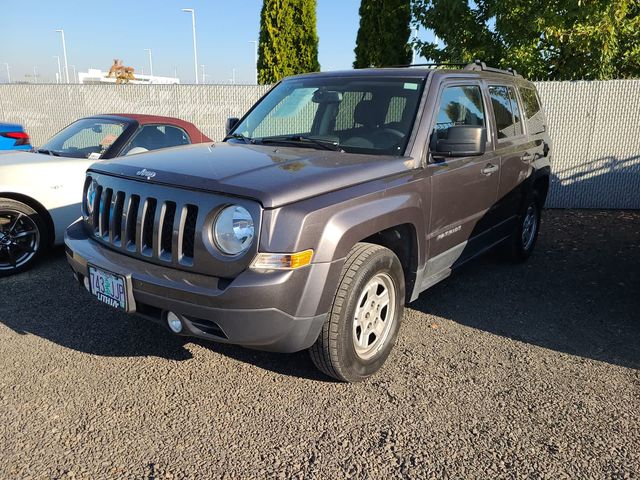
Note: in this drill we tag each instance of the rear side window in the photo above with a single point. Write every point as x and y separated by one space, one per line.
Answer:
506 111
532 110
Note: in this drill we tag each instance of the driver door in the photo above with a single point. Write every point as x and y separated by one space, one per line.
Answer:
463 189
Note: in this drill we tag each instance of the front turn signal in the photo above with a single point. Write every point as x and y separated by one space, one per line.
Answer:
282 261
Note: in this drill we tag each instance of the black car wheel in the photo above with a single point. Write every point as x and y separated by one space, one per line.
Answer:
362 326
523 240
22 236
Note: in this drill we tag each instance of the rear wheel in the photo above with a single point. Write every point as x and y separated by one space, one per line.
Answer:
22 236
363 323
525 235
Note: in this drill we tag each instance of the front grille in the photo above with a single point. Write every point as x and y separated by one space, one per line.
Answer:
146 226
163 224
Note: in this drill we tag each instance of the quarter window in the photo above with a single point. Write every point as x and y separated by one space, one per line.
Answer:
506 111
535 120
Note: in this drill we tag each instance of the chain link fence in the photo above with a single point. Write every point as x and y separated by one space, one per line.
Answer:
593 125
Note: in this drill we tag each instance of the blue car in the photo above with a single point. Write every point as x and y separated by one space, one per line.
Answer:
13 137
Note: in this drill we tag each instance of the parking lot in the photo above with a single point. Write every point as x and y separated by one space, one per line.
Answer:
500 371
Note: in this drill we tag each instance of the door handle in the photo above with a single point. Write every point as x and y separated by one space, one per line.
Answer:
489 169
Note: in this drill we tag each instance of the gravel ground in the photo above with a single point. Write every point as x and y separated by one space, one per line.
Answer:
501 371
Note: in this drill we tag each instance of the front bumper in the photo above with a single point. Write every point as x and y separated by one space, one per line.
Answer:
279 311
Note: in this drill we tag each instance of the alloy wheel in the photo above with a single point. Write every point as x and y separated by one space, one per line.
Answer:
19 239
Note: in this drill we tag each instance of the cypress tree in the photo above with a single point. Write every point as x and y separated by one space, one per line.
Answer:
383 33
288 39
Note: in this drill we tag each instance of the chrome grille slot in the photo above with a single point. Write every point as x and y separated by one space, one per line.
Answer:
147 226
188 230
167 221
105 211
95 218
115 222
130 221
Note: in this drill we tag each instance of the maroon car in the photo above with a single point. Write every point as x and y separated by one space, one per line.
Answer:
116 134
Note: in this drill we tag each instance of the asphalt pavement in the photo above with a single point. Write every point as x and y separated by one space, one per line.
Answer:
501 371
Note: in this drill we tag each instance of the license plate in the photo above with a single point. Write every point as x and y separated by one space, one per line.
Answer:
108 287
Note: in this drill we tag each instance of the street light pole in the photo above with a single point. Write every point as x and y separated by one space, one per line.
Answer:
150 61
8 73
195 47
57 57
64 51
255 58
75 76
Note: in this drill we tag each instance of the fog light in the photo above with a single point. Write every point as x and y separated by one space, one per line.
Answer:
174 322
86 284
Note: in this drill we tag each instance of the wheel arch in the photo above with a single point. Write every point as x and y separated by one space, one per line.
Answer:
402 240
39 208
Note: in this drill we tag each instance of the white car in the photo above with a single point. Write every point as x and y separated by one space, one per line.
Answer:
40 191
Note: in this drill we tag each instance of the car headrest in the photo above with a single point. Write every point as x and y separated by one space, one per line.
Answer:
367 114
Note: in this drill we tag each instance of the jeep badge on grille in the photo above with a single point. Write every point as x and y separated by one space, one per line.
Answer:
146 173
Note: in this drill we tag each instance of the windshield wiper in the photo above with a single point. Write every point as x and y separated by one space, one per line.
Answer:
326 144
239 136
48 152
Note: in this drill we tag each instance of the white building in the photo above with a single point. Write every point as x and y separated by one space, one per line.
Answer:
95 75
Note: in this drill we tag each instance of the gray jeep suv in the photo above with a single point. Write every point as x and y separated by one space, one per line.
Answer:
335 200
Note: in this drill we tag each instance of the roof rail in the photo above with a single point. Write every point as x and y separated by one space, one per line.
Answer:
430 65
478 65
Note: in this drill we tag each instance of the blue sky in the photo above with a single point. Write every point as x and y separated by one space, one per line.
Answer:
97 32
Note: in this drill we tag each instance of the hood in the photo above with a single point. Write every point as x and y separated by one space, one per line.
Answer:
22 157
273 175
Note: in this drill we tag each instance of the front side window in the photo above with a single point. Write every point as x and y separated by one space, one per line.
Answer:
357 114
506 111
460 105
84 138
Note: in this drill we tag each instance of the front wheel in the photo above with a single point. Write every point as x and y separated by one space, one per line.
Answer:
22 236
363 323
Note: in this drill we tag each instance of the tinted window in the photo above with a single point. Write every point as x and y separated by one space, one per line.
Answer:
535 118
361 114
517 118
153 137
506 111
460 106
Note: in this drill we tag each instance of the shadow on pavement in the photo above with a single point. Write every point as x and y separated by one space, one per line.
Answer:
45 301
579 293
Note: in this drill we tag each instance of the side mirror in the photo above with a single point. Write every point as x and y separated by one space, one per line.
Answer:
461 141
230 124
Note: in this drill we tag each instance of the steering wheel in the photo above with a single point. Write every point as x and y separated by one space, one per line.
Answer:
392 131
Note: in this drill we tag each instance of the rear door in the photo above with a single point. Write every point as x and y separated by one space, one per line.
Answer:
463 189
515 151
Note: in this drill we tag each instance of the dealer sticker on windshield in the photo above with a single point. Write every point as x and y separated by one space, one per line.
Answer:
108 287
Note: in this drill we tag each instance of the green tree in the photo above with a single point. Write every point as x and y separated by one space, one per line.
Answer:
560 39
383 33
288 39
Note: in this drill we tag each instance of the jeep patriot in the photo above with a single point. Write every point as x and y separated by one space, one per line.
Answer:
335 200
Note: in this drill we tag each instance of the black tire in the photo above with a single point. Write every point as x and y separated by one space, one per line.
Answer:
334 352
23 237
520 246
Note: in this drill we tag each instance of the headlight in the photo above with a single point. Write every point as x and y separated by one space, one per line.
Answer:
89 198
233 230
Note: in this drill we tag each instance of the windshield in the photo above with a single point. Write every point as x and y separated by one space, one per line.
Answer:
86 138
357 114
